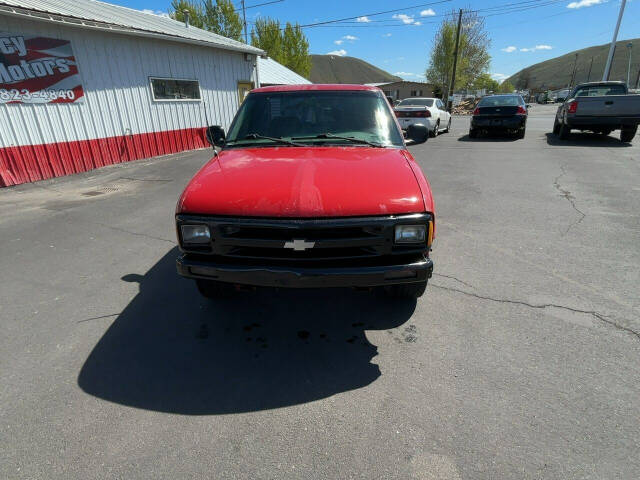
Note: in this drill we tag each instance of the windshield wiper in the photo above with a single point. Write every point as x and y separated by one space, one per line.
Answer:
338 137
257 136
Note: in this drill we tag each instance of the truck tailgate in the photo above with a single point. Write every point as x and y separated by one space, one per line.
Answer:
609 106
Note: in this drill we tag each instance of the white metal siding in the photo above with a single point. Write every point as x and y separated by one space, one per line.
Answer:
115 71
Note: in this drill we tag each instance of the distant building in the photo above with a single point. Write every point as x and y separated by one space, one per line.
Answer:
404 89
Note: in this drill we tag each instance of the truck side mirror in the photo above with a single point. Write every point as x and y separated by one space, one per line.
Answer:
215 136
418 133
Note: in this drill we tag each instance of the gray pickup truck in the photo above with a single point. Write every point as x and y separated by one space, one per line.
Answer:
600 107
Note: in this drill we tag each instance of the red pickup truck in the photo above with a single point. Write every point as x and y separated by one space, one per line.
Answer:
313 187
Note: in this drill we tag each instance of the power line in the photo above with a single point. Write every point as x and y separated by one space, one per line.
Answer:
503 9
262 4
507 7
374 14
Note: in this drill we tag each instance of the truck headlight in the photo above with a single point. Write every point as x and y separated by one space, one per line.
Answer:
410 233
195 234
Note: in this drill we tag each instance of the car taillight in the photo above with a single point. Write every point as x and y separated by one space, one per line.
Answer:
476 111
397 113
422 113
521 110
573 107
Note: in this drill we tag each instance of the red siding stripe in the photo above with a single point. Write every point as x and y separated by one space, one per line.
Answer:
30 163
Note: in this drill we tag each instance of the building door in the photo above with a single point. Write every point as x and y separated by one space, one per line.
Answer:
243 90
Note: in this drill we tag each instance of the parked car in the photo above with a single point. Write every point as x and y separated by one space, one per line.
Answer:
561 96
313 187
600 107
500 113
430 112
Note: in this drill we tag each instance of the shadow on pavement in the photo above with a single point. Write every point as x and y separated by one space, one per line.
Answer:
489 137
171 350
586 139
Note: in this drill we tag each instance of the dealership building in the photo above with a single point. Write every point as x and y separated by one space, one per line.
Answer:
84 84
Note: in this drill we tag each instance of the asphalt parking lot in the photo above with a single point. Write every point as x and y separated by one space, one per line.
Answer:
521 361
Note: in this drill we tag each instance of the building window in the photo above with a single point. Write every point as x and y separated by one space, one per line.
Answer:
414 93
172 89
419 93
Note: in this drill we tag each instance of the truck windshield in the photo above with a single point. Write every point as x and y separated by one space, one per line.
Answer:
315 117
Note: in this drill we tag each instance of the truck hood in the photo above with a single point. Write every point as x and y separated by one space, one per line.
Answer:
304 182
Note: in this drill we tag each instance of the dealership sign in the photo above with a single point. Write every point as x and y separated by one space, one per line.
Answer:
35 69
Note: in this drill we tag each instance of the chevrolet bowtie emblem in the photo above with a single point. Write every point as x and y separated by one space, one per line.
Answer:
299 244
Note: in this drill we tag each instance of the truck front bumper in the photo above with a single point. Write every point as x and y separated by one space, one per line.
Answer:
302 277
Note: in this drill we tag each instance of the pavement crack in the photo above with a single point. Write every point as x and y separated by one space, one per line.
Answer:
98 318
453 278
541 306
570 198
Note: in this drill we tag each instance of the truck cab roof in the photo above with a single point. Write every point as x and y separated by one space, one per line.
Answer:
316 87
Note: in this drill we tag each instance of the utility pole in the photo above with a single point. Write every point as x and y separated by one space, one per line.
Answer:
573 75
607 68
629 46
590 67
244 20
455 63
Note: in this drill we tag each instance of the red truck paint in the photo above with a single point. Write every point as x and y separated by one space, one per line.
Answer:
308 182
307 216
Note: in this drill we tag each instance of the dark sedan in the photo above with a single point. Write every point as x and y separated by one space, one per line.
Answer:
500 113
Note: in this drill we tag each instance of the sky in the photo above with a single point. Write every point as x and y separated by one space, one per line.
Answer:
522 32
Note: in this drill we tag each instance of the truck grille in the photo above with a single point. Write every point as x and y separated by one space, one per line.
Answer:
304 240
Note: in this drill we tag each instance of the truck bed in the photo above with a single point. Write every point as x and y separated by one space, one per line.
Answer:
624 107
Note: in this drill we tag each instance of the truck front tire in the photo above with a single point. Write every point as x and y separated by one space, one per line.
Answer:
627 134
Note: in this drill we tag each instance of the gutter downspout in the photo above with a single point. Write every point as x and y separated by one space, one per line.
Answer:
257 65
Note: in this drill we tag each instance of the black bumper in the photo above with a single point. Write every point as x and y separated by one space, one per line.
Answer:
303 277
509 123
587 123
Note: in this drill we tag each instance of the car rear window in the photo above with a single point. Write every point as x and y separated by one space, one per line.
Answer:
421 102
506 101
600 90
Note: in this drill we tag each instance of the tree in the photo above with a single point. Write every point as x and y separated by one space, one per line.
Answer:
507 87
196 13
222 18
289 47
484 81
218 17
295 48
473 52
266 35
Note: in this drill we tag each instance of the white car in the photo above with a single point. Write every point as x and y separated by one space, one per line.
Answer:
430 112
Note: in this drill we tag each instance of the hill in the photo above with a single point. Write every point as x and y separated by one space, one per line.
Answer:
336 69
556 72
